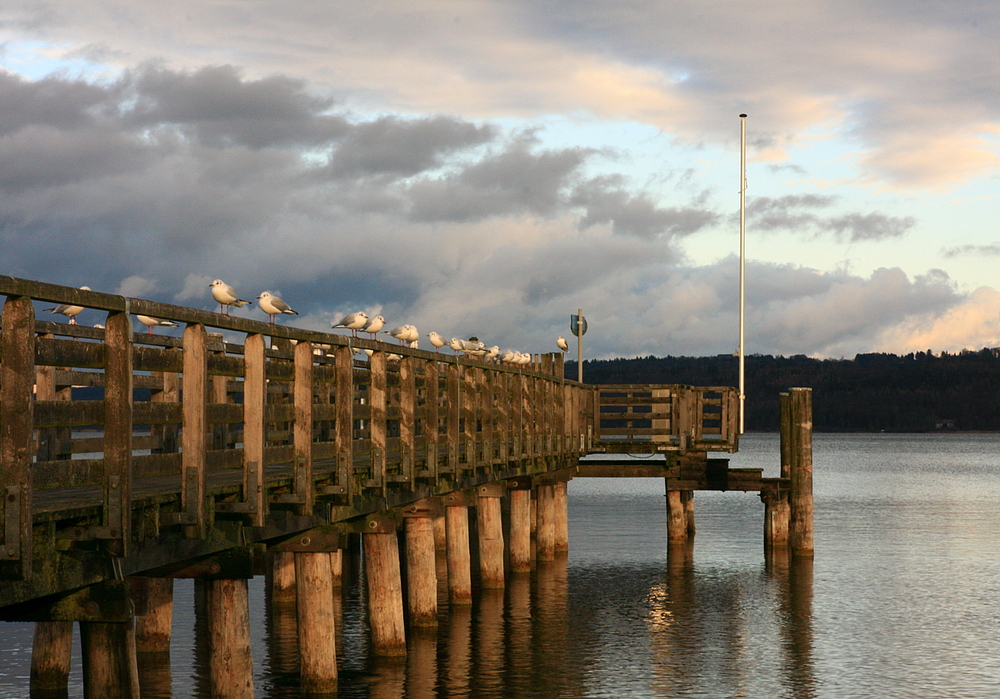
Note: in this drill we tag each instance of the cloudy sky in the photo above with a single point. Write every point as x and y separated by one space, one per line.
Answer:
486 168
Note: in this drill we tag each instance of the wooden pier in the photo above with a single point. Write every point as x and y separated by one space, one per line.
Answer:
129 459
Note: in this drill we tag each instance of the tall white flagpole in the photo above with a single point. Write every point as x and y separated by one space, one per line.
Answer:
743 207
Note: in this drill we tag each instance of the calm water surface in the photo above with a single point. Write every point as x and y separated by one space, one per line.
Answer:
902 598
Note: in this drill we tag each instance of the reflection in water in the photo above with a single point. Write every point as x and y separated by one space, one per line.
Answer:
799 672
458 663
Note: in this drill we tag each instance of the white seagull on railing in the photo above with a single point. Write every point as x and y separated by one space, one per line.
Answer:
272 306
69 310
150 322
353 322
226 296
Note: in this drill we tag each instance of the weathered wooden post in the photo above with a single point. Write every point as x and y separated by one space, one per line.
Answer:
385 590
490 530
545 534
109 667
801 498
560 502
230 661
677 528
153 625
459 556
50 656
519 493
317 628
283 585
687 497
421 564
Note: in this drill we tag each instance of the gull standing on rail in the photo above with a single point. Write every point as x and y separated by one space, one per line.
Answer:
436 340
563 345
150 322
226 296
404 333
373 326
272 306
353 322
69 310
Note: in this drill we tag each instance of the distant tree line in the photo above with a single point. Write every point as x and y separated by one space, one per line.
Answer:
917 392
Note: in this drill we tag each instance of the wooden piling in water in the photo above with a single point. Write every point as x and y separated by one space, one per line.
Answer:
283 576
153 626
677 528
801 496
385 593
560 503
490 530
421 571
520 527
230 662
50 656
109 666
459 556
316 627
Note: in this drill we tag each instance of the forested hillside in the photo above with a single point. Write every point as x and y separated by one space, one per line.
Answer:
912 393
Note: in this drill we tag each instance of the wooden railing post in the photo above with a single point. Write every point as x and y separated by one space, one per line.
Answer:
469 401
303 430
407 416
17 364
801 473
344 420
118 430
453 400
431 417
193 433
254 398
377 422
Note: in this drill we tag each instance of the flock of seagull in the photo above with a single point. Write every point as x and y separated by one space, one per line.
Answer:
273 306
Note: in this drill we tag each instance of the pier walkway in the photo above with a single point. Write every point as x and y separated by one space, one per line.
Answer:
127 456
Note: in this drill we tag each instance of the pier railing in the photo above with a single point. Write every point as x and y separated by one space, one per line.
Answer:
667 418
150 449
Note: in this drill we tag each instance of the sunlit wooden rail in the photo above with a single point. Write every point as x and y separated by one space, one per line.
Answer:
125 453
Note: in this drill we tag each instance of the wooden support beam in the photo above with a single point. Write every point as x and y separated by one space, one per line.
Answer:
302 466
377 418
385 594
109 665
454 403
677 531
490 531
193 442
230 662
17 373
560 503
344 421
50 657
154 624
421 571
316 627
430 425
254 430
118 432
520 528
801 498
459 555
407 417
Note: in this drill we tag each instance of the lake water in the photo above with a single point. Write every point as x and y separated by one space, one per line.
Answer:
902 598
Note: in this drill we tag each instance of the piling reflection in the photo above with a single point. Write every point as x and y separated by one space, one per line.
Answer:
800 672
458 662
422 664
490 655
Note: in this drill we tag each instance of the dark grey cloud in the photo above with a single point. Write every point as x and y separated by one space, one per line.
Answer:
606 200
215 106
798 213
392 145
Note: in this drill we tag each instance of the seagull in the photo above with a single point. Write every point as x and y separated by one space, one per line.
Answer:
226 296
403 333
457 345
492 352
436 340
150 322
413 336
353 322
69 310
508 356
272 306
373 326
563 345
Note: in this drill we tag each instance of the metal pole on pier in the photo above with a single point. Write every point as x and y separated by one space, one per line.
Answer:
743 207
